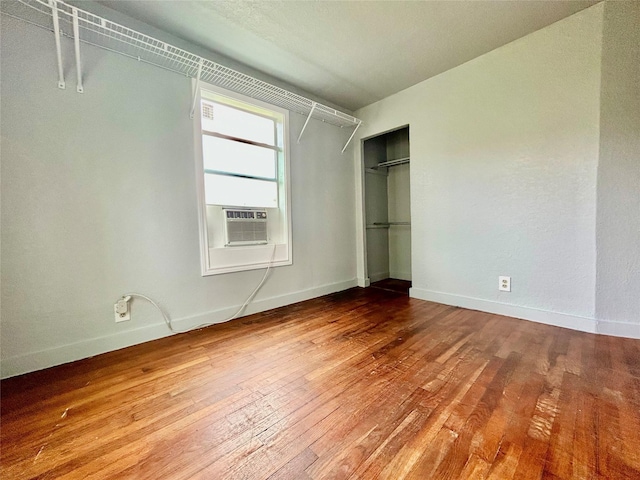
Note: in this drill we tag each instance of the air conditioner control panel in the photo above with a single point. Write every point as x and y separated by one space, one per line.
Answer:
246 214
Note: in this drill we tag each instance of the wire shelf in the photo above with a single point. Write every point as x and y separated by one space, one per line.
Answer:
103 33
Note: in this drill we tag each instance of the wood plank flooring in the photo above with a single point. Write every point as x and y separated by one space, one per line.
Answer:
362 384
393 284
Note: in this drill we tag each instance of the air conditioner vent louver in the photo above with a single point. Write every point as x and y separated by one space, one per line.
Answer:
245 227
207 111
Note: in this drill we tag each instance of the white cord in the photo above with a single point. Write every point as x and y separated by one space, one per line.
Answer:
164 315
246 303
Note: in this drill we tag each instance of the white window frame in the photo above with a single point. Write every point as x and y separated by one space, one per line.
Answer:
215 259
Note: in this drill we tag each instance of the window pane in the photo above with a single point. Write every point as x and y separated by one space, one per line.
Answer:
240 192
240 158
237 123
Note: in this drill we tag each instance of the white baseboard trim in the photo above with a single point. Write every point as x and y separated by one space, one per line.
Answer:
363 282
574 322
33 361
619 329
376 277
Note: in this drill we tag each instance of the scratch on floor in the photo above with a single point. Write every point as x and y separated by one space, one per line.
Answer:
64 414
38 454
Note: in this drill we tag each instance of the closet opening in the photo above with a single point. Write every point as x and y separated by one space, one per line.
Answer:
387 208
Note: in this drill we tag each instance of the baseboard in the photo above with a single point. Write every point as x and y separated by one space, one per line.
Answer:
364 282
33 361
376 277
619 329
400 275
574 322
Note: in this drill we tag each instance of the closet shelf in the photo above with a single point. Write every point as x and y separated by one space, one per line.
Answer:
389 224
82 26
393 163
373 171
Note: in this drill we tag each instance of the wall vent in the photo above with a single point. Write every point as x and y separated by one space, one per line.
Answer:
207 110
245 227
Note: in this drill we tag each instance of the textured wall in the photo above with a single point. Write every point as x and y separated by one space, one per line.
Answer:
99 198
618 221
504 153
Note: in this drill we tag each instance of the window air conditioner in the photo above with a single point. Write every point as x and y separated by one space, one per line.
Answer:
245 227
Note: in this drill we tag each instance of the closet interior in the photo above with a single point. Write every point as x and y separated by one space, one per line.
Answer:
387 205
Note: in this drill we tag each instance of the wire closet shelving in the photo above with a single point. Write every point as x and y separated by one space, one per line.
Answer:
82 26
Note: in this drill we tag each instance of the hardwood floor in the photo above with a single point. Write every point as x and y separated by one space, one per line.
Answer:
393 284
361 384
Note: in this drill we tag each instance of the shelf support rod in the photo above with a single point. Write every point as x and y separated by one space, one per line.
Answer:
313 107
352 135
76 44
56 32
195 91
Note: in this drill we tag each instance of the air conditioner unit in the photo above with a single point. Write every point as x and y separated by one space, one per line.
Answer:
244 227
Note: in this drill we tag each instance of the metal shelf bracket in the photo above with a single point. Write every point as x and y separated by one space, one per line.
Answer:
195 90
76 44
56 32
313 107
352 135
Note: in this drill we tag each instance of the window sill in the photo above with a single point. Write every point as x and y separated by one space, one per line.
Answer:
237 259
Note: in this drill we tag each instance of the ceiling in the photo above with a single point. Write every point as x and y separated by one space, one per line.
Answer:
351 53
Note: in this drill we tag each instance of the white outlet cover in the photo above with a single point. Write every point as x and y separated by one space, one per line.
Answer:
121 317
504 284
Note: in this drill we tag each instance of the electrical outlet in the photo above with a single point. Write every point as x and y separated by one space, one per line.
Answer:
121 310
504 284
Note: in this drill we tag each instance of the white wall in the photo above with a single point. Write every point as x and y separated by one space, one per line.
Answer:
99 198
376 210
504 153
399 190
376 201
618 220
398 183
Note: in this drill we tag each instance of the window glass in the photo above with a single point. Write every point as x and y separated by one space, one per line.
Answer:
229 156
238 123
240 192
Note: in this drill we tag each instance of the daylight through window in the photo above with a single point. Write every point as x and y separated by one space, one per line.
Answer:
241 149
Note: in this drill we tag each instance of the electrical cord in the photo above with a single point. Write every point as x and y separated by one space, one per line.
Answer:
246 303
167 320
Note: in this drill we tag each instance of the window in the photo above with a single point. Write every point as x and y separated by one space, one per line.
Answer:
241 160
240 151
